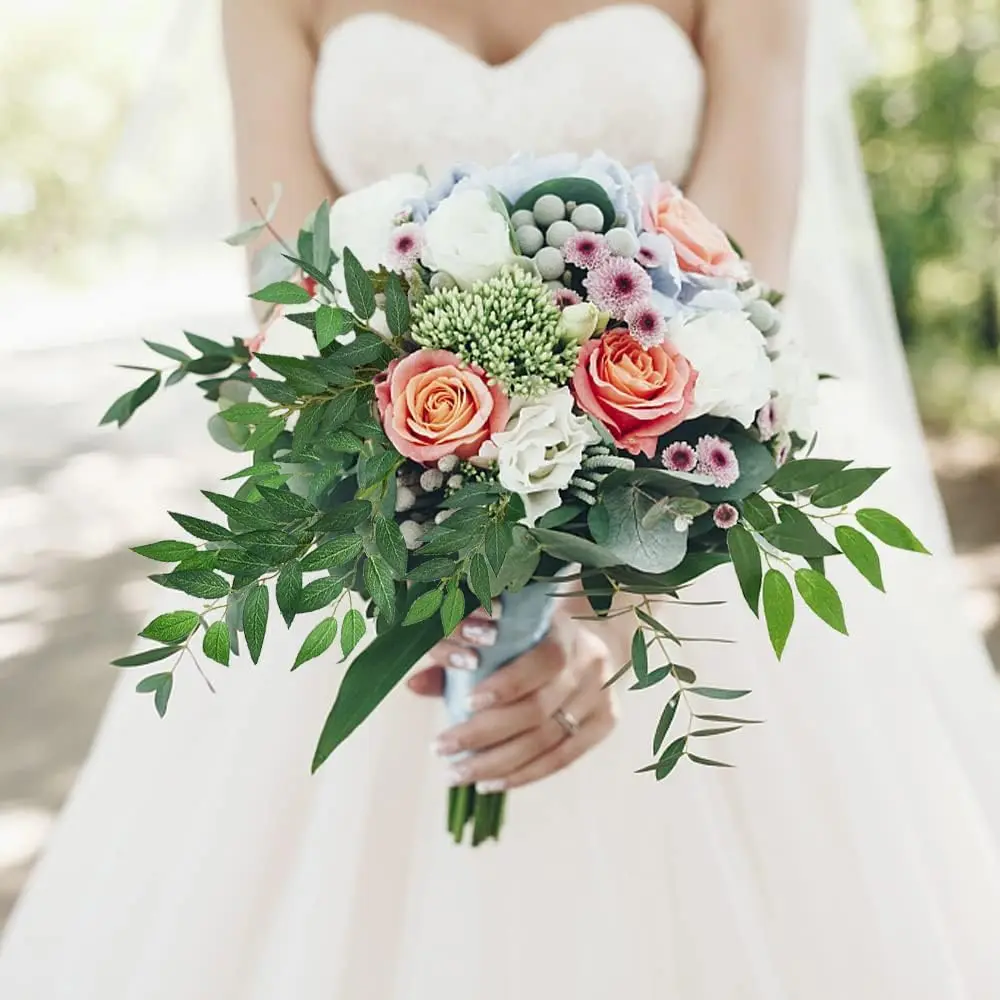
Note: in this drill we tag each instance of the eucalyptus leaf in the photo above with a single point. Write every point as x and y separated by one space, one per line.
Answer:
321 255
352 631
795 533
745 554
198 583
146 656
656 549
165 551
319 640
889 530
779 609
216 643
286 293
757 512
452 609
720 694
640 659
822 598
843 487
174 353
206 530
480 582
391 545
319 594
425 606
331 323
575 549
255 615
288 591
379 582
397 307
861 554
799 475
335 552
360 290
666 720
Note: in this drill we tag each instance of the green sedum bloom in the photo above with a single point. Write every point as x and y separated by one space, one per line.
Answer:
508 326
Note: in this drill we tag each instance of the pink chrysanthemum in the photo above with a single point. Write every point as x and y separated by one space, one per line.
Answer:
648 257
726 516
564 297
679 457
646 324
618 285
405 245
767 420
586 250
717 459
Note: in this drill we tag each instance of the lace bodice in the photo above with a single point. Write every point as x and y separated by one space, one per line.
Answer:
393 95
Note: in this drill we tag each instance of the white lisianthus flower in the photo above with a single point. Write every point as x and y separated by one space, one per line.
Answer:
796 387
541 450
363 220
734 372
467 238
579 322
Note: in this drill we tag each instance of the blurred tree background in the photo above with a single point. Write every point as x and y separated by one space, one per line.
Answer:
84 175
930 130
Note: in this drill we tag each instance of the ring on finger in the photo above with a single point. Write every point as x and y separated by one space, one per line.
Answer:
567 721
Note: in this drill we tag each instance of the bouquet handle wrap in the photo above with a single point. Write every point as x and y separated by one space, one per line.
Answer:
524 621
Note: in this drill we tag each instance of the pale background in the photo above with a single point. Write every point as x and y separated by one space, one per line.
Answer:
114 188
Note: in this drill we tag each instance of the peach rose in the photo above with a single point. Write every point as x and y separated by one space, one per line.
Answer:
702 247
637 393
432 405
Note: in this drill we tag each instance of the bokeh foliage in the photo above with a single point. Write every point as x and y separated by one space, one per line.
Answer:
71 79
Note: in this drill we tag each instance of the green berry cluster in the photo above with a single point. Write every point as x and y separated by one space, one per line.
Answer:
506 325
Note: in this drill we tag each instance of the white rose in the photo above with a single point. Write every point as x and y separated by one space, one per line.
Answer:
467 238
541 450
734 372
796 387
363 220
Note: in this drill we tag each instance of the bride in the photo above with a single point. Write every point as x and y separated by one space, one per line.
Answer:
856 850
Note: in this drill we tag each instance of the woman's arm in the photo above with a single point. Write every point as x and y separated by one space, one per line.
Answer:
271 60
747 171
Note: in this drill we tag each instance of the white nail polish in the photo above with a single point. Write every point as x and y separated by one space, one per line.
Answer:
479 633
491 787
463 659
482 699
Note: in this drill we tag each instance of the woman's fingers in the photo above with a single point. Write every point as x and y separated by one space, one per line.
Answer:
492 726
493 767
429 683
592 732
526 674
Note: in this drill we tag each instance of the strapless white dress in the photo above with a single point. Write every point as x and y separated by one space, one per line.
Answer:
853 855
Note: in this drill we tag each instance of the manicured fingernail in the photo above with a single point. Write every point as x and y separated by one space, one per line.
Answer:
463 659
457 775
480 633
480 700
444 746
490 787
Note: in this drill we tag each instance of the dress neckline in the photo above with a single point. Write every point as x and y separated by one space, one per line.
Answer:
607 10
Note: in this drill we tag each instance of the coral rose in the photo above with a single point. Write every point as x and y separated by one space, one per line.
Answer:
637 393
432 405
702 247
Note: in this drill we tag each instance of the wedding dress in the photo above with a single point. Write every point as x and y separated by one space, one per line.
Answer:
854 854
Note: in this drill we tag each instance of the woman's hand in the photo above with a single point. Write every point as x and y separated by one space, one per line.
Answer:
533 717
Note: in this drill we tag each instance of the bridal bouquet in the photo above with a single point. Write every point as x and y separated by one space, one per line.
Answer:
555 375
